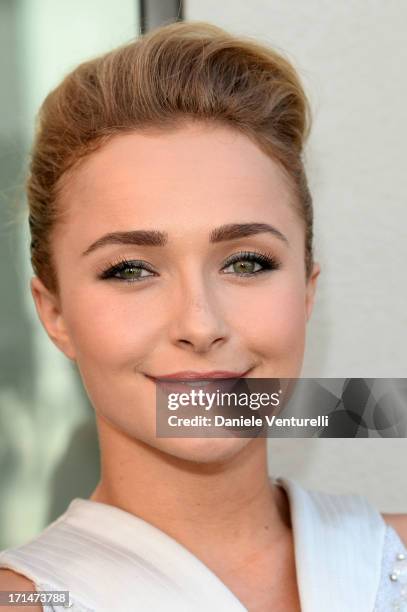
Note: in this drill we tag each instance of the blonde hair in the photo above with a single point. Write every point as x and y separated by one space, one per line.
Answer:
178 72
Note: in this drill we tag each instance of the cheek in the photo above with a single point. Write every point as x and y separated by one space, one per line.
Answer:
111 337
111 332
274 320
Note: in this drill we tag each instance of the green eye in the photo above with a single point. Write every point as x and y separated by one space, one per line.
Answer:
128 271
133 272
245 267
251 263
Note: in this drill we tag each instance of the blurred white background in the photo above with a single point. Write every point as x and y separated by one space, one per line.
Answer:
351 57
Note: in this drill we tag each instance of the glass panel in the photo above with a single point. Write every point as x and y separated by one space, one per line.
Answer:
48 443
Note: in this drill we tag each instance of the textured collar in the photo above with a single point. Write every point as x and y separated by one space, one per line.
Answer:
338 541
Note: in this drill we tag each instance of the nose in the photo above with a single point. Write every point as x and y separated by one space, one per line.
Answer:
197 323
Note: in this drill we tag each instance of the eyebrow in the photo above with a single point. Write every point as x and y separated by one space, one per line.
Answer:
230 231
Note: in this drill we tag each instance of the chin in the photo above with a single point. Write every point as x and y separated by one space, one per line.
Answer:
202 450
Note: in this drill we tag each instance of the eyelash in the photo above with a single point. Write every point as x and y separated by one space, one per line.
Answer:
266 259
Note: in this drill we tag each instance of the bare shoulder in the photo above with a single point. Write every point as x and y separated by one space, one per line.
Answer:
12 581
399 523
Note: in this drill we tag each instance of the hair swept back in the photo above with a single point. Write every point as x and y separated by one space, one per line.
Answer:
183 71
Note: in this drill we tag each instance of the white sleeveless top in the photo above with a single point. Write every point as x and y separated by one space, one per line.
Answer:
347 560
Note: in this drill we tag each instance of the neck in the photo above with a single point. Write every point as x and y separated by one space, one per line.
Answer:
218 511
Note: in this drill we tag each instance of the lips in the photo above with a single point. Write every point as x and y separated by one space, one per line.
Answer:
185 381
189 375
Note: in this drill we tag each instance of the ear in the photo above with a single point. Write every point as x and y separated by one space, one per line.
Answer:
311 289
50 315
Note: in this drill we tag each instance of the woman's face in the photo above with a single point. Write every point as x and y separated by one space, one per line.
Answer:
212 291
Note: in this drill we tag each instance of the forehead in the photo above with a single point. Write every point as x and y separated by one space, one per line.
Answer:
191 174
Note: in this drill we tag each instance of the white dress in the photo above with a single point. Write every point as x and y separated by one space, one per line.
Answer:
108 559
